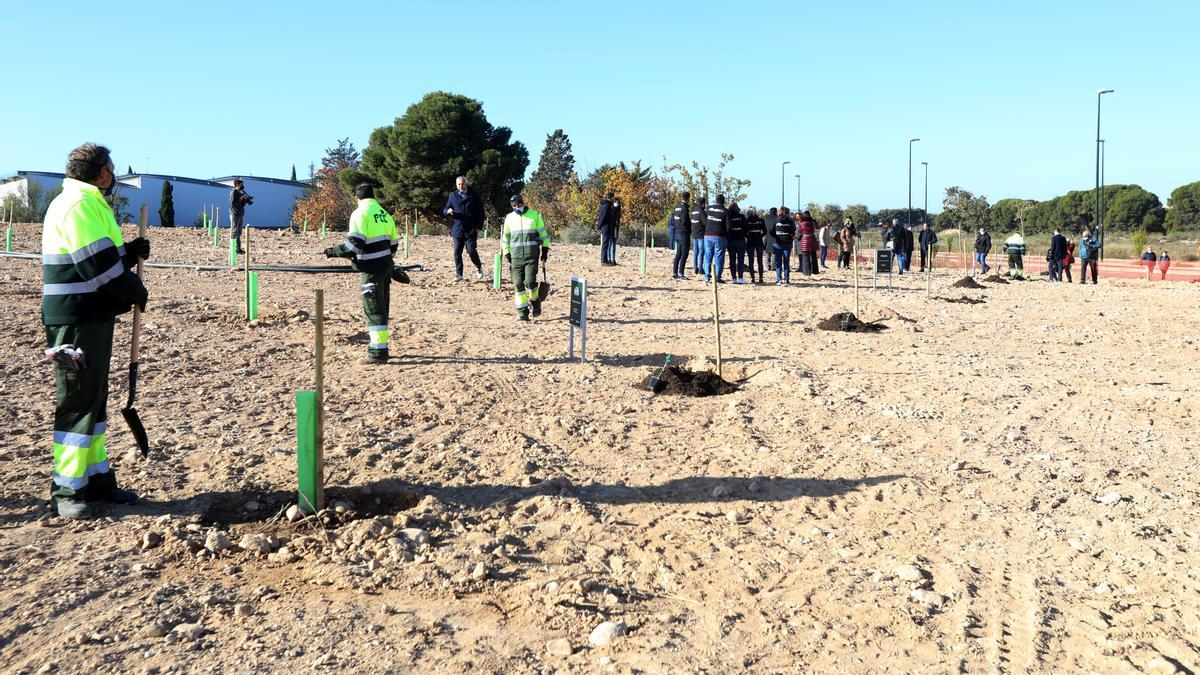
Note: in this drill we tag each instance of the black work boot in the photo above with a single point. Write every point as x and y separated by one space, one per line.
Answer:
537 309
73 509
523 314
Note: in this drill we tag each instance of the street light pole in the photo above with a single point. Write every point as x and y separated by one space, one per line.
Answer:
1102 152
797 191
926 165
908 214
1099 222
782 188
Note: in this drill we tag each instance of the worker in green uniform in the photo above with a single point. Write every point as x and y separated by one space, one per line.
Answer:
1015 247
87 281
370 245
525 240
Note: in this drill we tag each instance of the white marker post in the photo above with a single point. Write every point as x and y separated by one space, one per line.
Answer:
578 318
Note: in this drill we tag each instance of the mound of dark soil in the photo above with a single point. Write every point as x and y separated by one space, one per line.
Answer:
683 382
967 282
964 300
846 321
996 279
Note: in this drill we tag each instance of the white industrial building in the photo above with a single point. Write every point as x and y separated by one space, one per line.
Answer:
274 198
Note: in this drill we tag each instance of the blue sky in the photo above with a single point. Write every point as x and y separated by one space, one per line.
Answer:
1002 94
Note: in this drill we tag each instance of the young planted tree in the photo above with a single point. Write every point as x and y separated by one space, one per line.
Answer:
166 205
963 210
703 182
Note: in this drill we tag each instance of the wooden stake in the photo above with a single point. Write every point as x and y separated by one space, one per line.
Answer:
716 314
929 271
854 257
319 377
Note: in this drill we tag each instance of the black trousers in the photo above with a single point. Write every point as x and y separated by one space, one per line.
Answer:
1084 264
236 220
755 252
924 253
469 244
682 245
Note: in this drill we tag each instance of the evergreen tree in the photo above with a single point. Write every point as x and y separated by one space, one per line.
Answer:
554 168
341 156
414 160
128 169
293 172
166 207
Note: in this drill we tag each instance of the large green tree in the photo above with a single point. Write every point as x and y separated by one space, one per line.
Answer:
1006 215
554 169
963 209
1132 209
414 161
1183 207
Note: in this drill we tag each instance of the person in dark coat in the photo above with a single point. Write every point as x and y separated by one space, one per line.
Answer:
927 239
782 235
736 232
1058 251
465 208
983 244
697 220
756 232
606 222
909 241
681 231
238 201
716 240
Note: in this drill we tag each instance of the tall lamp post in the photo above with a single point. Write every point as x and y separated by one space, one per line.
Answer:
782 188
797 191
926 165
908 214
1102 152
1099 222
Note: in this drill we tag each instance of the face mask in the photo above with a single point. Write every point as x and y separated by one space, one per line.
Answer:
112 187
518 209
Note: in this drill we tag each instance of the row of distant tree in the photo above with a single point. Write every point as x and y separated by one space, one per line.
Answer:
413 163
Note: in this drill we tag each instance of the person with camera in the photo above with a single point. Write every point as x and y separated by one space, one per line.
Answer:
238 201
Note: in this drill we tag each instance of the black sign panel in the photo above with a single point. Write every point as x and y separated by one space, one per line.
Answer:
883 261
578 288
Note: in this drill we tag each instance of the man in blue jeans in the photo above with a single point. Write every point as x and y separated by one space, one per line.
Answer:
606 223
983 244
716 228
697 219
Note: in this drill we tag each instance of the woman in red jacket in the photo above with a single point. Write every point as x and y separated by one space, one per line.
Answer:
806 230
1069 259
1164 264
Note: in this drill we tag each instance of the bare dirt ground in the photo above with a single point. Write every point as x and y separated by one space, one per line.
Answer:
1005 486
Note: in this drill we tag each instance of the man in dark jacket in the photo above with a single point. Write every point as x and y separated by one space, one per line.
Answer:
238 200
736 233
928 239
697 220
909 242
465 208
606 222
681 231
716 233
756 232
1058 251
983 244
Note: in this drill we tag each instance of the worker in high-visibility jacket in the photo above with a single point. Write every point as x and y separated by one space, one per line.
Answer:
370 245
87 281
525 241
1015 247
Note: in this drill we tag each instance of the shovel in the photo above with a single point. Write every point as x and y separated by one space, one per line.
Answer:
657 384
131 416
543 286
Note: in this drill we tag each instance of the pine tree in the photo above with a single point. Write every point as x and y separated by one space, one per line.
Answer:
554 167
293 172
166 207
129 170
341 156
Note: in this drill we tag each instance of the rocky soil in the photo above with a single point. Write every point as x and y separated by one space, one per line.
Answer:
996 486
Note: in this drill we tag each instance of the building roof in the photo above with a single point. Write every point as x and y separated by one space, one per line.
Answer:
173 179
261 179
18 175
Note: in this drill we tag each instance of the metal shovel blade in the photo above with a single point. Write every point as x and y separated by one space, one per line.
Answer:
131 416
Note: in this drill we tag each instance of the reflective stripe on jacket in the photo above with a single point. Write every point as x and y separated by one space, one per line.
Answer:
523 233
83 269
371 240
